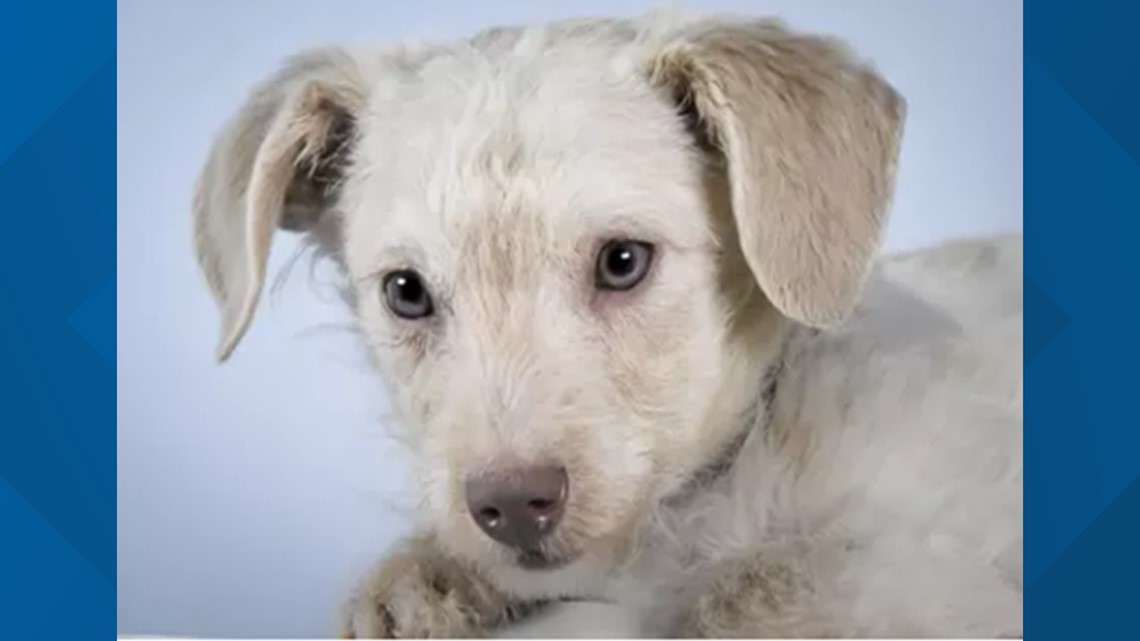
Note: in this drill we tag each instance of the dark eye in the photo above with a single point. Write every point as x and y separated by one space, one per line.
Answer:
622 264
406 295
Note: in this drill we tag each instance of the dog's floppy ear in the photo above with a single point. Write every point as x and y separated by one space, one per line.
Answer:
275 164
810 137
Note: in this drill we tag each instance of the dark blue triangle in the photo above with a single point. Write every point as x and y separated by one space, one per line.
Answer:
95 320
1048 320
1090 591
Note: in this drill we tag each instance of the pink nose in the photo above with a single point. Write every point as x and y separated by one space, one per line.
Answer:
518 507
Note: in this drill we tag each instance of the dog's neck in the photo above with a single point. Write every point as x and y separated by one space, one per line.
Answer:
755 421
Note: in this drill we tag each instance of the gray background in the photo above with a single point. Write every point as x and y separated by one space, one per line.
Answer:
251 496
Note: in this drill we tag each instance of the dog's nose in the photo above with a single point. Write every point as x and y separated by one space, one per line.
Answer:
518 507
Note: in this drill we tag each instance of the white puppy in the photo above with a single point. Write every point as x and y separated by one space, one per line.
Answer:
620 277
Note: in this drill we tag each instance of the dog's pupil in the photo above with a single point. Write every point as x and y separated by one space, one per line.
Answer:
621 260
410 288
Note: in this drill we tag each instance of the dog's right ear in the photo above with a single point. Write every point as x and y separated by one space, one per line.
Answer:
277 163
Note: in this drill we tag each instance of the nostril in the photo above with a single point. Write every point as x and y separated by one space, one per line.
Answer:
490 516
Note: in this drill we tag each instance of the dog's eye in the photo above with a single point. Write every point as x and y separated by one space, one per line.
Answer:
406 295
622 264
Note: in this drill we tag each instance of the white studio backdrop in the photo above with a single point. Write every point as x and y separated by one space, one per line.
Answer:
253 495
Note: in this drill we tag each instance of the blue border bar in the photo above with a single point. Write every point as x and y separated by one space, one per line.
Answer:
1082 327
57 320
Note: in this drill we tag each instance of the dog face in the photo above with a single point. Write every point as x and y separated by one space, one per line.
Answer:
579 315
571 250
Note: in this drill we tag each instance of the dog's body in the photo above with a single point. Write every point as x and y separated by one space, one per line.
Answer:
624 259
882 495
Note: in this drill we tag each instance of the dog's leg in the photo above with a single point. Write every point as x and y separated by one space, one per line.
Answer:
418 592
840 590
800 590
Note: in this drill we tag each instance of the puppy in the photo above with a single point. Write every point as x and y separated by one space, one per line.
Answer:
620 277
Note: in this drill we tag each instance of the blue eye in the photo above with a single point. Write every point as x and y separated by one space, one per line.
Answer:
622 264
407 296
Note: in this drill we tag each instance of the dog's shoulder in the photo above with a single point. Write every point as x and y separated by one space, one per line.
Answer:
915 405
963 295
932 357
974 281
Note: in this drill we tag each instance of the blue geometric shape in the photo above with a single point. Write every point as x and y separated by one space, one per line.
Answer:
1076 388
48 50
1095 60
1059 502
95 320
1049 320
57 395
1091 589
47 591
1082 198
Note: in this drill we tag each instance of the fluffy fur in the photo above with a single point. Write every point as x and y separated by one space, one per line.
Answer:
761 438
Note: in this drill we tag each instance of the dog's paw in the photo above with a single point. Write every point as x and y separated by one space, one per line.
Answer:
760 598
418 593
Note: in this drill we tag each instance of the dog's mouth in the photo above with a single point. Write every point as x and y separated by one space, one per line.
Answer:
539 560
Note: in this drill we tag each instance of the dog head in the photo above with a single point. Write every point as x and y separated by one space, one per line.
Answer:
571 250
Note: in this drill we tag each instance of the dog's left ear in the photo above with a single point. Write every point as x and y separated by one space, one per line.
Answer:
810 137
